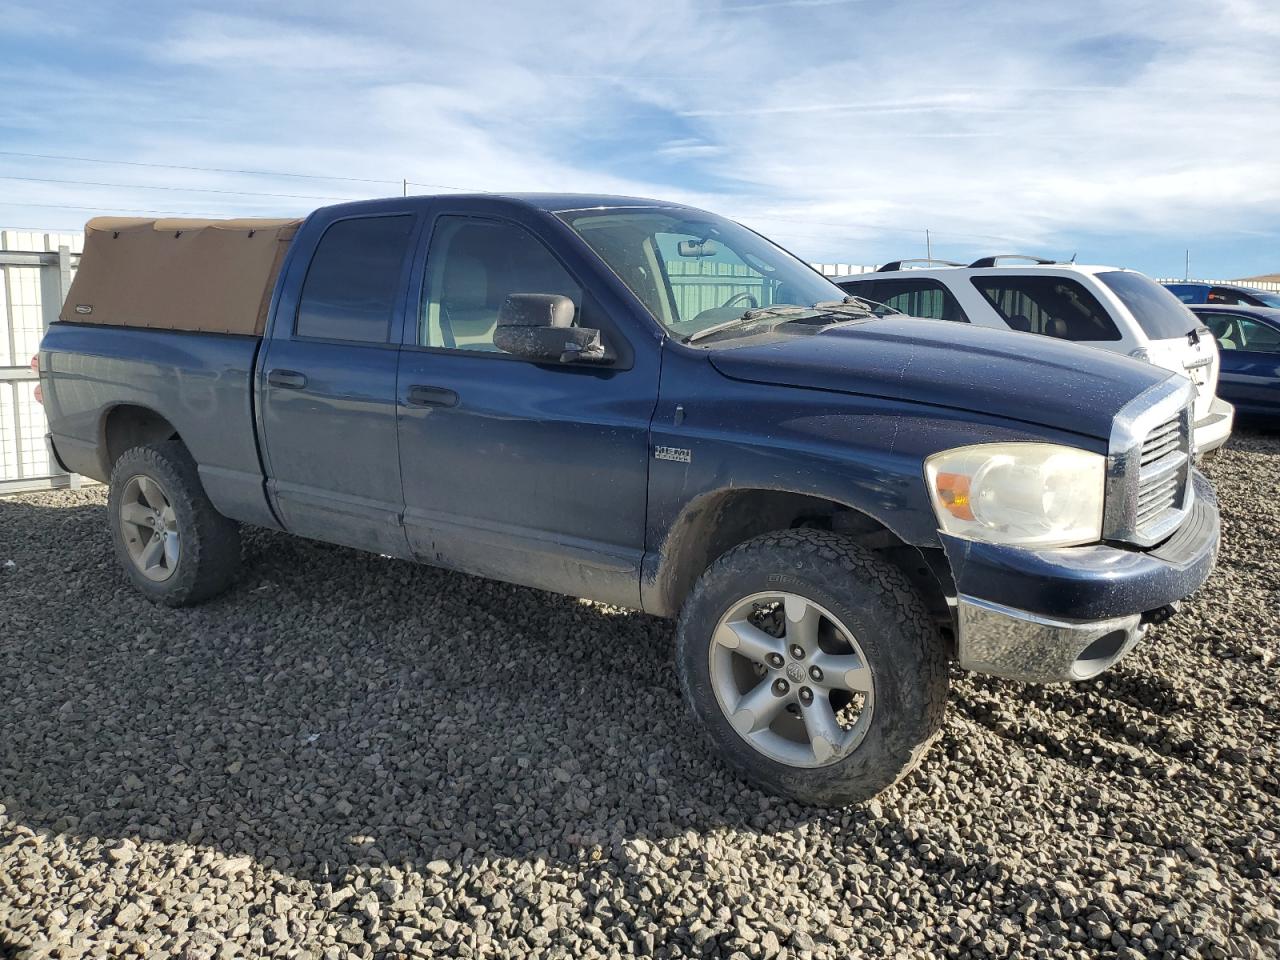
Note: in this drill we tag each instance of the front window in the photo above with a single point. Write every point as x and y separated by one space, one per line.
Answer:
1161 315
1236 331
694 271
472 267
1265 298
918 297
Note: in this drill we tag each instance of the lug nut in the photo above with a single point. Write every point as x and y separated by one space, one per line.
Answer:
815 674
780 687
774 660
806 696
797 651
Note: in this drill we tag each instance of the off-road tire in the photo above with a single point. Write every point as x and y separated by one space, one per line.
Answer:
210 543
874 600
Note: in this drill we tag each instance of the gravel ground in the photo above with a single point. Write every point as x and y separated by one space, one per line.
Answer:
354 757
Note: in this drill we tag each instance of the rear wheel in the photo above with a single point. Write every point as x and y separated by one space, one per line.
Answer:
813 665
175 547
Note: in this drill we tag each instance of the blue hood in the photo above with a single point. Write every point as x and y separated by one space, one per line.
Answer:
1021 376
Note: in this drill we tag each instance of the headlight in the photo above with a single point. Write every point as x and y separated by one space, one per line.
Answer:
1021 494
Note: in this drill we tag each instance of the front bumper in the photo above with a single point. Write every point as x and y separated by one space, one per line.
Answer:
1215 429
1070 613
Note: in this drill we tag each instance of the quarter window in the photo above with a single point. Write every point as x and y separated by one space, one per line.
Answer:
354 280
1055 306
472 267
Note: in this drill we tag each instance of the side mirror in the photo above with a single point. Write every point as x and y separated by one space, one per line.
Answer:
539 326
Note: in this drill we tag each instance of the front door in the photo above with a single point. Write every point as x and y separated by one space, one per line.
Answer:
327 389
534 473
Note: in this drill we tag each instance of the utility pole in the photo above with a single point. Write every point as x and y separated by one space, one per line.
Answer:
405 187
928 245
1186 267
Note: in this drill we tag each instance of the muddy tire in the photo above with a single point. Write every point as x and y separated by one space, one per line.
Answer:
813 665
174 546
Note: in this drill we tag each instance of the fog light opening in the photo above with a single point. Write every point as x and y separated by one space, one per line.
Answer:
1100 654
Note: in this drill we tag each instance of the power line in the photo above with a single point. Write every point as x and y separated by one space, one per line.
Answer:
148 186
68 206
846 224
175 166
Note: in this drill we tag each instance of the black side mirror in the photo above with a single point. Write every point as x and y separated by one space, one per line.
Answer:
539 326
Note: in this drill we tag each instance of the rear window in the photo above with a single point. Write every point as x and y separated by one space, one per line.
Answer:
1161 315
354 280
1054 306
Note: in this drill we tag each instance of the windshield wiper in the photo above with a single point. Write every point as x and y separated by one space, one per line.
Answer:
751 316
855 305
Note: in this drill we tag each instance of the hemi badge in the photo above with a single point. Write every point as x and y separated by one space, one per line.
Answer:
84 308
678 454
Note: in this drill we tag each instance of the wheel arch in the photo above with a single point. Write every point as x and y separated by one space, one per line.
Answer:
714 523
128 425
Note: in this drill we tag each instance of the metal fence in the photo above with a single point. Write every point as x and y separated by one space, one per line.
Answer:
1271 286
35 273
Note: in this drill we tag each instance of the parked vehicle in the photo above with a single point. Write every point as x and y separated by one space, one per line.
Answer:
1225 294
1117 310
648 405
1249 341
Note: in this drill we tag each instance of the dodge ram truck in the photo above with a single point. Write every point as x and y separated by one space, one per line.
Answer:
647 405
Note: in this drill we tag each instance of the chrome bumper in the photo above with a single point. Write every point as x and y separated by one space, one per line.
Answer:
1012 643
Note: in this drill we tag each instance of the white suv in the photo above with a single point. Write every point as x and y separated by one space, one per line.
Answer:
1107 307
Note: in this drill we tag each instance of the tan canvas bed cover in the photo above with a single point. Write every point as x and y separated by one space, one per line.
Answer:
214 276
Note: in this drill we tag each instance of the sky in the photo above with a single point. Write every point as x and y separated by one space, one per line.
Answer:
1121 133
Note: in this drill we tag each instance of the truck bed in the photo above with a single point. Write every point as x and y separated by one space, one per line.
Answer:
202 381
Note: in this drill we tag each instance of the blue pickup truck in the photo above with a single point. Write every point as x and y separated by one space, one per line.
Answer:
647 405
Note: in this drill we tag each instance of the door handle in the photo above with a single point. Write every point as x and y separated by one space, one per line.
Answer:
288 379
423 396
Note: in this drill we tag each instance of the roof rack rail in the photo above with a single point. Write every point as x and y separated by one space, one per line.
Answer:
897 264
993 261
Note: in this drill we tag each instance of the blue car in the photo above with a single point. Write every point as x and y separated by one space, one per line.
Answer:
1249 347
1224 294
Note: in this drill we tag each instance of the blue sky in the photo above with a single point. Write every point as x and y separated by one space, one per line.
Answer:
1123 133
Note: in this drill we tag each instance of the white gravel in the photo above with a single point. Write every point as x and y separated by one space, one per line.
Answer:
354 757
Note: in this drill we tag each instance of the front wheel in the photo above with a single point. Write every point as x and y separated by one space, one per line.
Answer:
813 665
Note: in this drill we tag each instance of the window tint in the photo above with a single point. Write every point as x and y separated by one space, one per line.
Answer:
919 298
1160 314
1226 296
472 267
353 280
1055 306
1235 331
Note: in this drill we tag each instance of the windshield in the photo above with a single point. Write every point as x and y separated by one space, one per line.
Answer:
1161 315
695 271
1268 299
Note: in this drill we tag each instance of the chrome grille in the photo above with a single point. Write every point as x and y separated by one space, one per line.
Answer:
1149 487
1162 475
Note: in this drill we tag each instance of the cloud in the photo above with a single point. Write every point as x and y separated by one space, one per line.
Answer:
844 128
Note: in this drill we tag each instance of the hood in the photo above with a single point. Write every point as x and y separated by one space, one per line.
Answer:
1020 376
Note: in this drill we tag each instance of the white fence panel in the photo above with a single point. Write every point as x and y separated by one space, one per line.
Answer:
35 272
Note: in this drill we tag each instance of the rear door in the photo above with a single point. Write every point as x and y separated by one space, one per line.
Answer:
327 386
534 473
